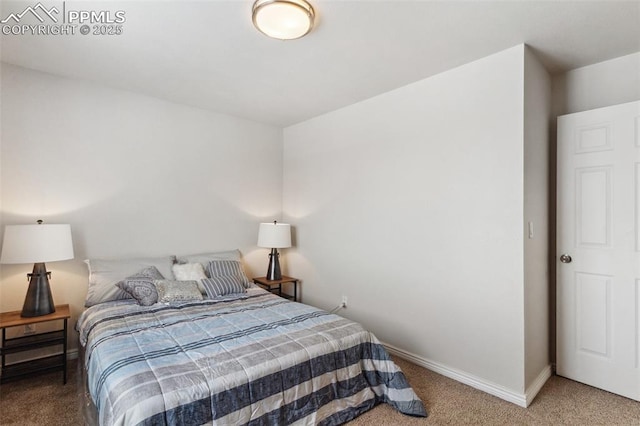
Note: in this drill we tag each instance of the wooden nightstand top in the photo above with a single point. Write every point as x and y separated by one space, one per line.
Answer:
265 281
13 318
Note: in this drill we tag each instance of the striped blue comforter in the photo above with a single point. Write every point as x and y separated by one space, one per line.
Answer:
260 360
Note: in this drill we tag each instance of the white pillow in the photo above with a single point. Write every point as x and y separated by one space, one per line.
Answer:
204 259
190 272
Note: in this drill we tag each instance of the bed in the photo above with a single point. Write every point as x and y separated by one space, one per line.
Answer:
247 358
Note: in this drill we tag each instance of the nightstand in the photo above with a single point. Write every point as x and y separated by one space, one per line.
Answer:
57 362
275 286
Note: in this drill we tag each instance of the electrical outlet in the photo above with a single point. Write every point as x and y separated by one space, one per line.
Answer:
344 301
29 329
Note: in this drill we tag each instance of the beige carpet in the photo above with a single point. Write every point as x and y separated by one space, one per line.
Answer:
45 401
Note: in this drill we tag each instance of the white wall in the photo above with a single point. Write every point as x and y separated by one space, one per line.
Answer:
604 84
411 204
537 113
132 174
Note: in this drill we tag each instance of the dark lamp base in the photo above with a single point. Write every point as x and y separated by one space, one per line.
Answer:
273 272
38 300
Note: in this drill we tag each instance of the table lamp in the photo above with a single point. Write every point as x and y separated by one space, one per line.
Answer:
274 236
37 244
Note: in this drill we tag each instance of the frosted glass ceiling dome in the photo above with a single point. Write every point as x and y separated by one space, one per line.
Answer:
283 19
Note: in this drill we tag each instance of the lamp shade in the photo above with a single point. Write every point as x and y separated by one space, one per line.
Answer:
36 243
283 19
274 235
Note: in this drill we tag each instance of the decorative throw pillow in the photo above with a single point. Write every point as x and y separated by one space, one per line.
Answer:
105 273
177 291
140 286
190 272
228 268
223 285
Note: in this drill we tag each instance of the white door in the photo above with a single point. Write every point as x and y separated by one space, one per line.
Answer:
598 279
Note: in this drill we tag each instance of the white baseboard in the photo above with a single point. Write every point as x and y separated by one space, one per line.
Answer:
523 400
538 383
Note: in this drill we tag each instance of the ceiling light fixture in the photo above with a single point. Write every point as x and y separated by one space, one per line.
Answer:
283 19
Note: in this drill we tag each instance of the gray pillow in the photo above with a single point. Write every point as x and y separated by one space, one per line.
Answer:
177 291
141 286
104 274
226 268
223 285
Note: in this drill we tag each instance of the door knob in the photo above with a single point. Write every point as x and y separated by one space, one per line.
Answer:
565 258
